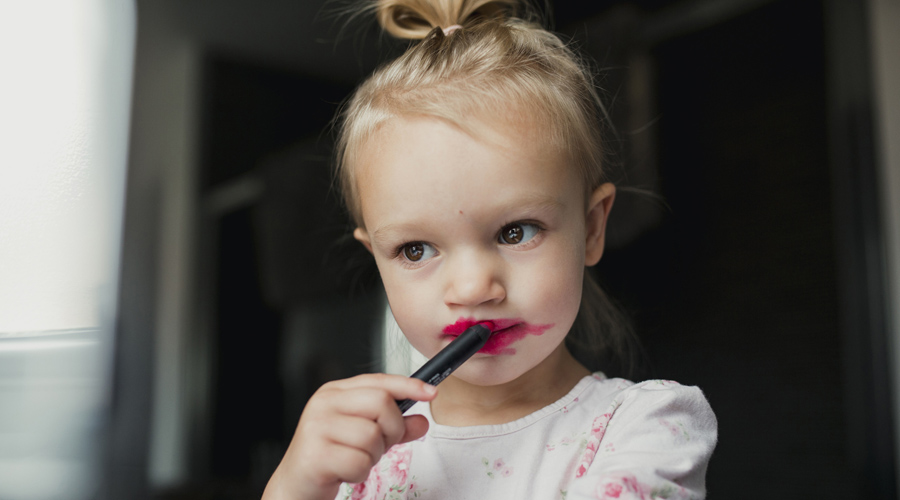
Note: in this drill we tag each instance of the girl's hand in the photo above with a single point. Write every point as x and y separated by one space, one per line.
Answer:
345 428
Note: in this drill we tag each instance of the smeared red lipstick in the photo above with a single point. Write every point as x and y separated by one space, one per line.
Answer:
504 331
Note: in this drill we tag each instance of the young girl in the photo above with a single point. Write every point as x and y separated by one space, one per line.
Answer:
472 168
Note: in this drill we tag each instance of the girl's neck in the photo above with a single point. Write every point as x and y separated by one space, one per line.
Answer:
461 404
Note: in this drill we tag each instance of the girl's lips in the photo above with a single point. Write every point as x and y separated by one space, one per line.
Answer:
504 331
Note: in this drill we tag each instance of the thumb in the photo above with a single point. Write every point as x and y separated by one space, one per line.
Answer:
416 427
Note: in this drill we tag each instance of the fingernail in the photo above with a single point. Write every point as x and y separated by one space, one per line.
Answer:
430 389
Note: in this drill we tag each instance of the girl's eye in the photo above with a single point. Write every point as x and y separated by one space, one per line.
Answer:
415 252
518 233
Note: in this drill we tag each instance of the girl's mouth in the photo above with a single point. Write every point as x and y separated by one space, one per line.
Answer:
504 331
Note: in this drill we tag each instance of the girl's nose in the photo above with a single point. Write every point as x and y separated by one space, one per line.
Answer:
474 281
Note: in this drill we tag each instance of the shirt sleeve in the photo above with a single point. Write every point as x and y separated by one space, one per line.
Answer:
654 441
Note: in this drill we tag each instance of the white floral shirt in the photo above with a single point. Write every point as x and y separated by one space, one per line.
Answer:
605 439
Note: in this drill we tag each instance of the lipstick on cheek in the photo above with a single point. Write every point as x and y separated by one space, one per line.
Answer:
499 343
504 331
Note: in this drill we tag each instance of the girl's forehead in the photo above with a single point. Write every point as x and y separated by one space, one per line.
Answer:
437 143
511 134
424 164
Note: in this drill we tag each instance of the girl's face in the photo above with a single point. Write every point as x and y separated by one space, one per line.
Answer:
465 230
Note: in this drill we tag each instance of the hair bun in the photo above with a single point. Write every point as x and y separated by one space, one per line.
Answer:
415 19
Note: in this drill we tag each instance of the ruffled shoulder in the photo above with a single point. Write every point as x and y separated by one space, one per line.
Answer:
653 440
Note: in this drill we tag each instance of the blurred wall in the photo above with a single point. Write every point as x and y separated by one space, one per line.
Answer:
884 20
160 240
170 288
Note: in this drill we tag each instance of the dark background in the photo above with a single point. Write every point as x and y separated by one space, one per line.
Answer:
747 270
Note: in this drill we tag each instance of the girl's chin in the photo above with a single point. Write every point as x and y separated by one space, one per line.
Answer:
489 370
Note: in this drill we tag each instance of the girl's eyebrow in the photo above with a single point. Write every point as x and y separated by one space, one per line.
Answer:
536 203
389 232
524 206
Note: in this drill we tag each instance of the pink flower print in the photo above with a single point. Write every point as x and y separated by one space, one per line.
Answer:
670 426
369 489
398 472
613 487
356 491
393 469
574 439
565 409
396 463
632 483
497 467
586 460
613 490
599 425
581 470
677 428
598 429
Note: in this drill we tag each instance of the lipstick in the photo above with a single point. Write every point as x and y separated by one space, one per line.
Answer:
450 358
505 332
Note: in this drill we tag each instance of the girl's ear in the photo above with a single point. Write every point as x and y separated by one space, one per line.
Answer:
599 205
362 236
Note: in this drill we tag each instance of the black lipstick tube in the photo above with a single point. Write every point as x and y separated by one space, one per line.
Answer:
449 359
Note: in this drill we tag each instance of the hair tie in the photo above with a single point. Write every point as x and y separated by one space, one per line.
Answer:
451 29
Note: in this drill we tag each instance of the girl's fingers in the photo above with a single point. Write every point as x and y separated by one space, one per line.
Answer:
399 387
347 426
367 435
374 397
377 406
416 427
359 433
348 464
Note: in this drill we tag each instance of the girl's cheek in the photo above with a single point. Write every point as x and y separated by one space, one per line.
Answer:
561 288
411 310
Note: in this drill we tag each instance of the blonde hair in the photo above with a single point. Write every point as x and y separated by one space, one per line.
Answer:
500 65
